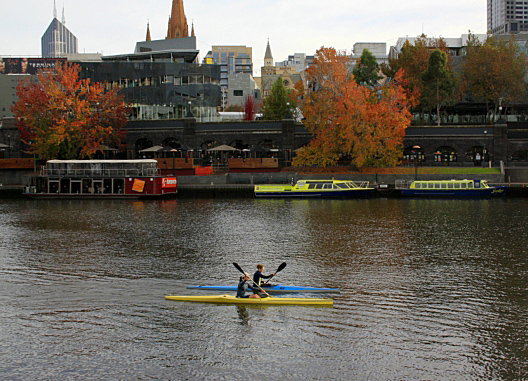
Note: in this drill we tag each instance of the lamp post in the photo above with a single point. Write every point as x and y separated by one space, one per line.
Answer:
484 151
416 150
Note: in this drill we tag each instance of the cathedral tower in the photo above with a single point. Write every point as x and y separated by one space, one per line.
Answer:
178 27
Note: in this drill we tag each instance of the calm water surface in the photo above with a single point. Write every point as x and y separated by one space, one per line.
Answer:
431 289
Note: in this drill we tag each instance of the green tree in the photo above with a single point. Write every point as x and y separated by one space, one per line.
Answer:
494 72
438 82
279 103
366 71
414 60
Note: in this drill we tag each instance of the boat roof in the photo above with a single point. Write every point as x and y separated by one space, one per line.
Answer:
326 181
438 181
134 161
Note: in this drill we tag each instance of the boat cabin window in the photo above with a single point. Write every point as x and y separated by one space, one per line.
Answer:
417 185
311 186
437 185
327 186
342 185
444 185
318 186
470 185
457 185
450 185
430 185
463 185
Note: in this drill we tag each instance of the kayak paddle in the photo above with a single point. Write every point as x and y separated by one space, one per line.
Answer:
252 281
281 267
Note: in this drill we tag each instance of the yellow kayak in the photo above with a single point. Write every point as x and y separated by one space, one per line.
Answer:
230 299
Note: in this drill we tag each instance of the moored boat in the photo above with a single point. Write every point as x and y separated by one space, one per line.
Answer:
274 289
452 188
315 188
128 179
231 299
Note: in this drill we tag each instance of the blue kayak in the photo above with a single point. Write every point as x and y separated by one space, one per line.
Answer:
274 289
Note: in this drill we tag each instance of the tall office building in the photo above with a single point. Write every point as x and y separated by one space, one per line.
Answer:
58 40
507 16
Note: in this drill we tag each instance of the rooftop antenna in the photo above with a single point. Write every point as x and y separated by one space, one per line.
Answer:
54 10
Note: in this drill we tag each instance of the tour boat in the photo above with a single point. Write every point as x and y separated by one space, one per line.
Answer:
315 188
120 179
231 299
453 188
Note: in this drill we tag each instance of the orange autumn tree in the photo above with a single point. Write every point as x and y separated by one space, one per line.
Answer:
348 119
63 117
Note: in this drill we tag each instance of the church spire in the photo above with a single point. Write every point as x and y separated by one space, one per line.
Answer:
148 32
54 10
178 27
192 29
268 57
63 18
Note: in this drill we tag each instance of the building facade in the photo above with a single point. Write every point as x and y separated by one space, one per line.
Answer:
242 85
507 16
232 60
378 50
456 46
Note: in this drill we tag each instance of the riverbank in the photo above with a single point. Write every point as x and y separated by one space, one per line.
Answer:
382 179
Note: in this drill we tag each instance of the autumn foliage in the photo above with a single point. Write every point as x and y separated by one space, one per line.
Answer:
347 119
250 108
63 117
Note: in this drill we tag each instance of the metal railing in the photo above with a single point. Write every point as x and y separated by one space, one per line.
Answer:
100 172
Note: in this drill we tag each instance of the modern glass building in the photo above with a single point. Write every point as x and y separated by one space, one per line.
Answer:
58 41
160 85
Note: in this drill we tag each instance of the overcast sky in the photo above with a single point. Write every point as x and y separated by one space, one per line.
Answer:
292 26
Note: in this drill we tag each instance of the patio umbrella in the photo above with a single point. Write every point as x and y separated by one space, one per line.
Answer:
259 149
106 148
151 149
223 148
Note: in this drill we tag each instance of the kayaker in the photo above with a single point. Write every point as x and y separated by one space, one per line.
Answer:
258 276
243 286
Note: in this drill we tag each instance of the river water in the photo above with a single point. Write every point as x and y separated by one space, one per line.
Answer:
430 289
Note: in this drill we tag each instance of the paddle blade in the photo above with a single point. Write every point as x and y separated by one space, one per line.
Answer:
282 266
238 267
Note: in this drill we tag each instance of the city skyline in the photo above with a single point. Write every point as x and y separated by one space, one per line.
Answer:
292 27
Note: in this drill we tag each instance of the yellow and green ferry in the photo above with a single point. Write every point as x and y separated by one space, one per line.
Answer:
453 188
315 188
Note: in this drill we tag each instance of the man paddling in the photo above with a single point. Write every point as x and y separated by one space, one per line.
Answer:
243 286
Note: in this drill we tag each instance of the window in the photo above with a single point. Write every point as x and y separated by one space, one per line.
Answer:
450 185
437 185
457 186
238 93
444 185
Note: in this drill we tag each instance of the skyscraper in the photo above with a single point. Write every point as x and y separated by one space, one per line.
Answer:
58 40
507 16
